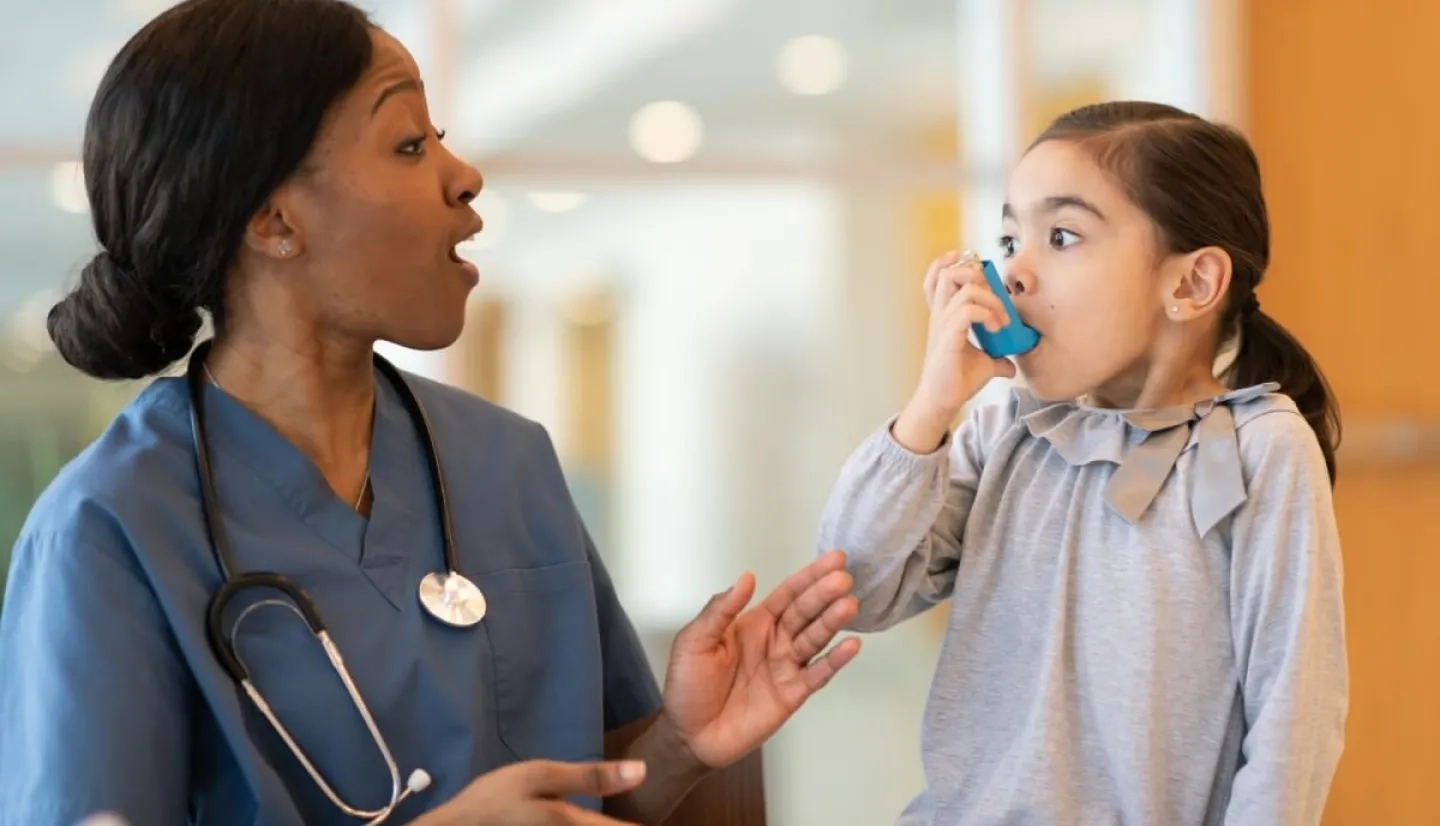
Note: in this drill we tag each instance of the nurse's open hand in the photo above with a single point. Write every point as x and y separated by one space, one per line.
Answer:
533 794
735 677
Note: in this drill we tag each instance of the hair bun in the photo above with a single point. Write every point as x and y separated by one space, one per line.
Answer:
113 327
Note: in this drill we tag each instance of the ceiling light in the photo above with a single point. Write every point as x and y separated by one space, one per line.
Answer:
557 201
666 131
558 63
812 65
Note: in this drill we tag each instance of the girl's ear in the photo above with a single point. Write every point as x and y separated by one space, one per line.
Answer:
1196 283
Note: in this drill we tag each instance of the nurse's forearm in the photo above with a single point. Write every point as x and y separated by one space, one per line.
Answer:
671 771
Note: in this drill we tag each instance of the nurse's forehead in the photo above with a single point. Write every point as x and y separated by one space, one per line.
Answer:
392 73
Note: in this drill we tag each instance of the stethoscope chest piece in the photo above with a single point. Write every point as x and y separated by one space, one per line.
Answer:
452 599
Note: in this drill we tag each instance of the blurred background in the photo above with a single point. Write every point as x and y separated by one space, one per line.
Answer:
707 225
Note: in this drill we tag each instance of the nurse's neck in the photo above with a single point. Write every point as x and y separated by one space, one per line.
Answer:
317 389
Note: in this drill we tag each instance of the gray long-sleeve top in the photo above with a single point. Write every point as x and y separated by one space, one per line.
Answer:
1146 622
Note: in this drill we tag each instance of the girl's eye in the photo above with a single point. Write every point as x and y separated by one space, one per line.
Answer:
1061 238
1007 246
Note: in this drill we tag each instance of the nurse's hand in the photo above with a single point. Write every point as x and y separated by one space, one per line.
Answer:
533 794
735 677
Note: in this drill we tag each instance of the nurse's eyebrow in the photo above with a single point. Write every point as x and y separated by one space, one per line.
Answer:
407 85
1055 203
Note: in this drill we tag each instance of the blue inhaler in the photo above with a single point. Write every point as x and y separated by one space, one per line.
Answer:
1012 339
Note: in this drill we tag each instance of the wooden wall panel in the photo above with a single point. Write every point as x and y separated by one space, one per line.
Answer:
1343 115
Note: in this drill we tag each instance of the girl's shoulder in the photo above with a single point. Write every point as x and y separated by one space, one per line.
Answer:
1267 411
1270 430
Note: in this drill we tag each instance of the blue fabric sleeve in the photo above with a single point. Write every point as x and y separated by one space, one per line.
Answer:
94 697
631 691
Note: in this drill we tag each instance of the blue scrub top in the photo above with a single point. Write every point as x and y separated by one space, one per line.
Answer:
111 698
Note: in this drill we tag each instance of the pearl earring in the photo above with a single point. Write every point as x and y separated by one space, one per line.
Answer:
1174 309
285 248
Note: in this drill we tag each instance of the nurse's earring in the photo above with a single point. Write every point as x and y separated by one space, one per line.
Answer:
285 248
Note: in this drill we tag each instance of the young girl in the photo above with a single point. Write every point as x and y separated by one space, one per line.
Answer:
1146 624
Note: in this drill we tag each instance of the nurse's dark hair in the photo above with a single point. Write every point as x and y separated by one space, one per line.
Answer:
1199 183
199 118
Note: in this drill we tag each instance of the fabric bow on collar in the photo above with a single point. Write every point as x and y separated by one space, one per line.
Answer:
1145 444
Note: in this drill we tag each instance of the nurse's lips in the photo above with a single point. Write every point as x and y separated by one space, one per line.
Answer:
472 229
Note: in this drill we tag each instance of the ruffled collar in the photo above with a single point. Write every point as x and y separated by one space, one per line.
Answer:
1145 444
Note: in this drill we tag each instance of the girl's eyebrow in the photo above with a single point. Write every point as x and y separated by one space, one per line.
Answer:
1055 203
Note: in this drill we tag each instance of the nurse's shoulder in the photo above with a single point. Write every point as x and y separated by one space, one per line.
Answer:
485 448
110 494
455 413
91 676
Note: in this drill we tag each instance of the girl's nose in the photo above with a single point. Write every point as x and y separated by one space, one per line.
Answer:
1019 281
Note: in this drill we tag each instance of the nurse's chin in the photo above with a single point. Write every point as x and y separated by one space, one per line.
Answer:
433 333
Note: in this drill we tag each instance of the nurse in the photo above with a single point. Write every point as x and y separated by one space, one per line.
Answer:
168 649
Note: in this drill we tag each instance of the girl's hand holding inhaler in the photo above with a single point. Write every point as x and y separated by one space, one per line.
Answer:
954 369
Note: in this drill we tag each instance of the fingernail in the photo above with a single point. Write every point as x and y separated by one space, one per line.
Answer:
632 770
968 256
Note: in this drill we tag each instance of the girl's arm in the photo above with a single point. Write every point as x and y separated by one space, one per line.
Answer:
900 516
1287 616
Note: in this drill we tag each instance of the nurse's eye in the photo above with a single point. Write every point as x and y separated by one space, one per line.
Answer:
1061 238
1007 245
415 146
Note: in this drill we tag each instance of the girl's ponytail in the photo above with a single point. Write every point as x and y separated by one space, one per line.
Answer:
1268 352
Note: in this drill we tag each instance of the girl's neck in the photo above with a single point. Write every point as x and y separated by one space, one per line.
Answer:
1177 370
1155 388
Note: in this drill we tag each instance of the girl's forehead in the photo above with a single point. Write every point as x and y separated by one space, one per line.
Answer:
1057 174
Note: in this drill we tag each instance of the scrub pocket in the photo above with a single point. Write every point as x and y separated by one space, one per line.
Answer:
549 678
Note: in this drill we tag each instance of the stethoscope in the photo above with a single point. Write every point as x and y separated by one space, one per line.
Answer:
446 595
